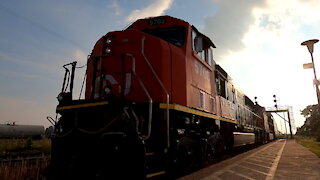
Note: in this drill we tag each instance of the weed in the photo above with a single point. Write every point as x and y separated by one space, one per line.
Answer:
16 147
23 170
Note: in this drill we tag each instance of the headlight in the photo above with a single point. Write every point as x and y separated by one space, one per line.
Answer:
64 96
109 47
108 50
60 97
109 40
180 131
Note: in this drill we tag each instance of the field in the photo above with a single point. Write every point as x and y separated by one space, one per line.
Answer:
309 143
22 159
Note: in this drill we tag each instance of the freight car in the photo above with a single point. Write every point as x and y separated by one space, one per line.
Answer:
155 102
13 130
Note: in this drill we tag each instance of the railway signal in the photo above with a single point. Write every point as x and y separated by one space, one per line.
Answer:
275 101
279 109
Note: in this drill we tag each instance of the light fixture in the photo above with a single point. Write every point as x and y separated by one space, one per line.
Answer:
310 44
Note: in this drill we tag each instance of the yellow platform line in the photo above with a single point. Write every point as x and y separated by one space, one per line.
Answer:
196 112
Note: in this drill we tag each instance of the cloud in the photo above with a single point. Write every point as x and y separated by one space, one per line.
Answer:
155 9
266 57
117 9
230 23
80 56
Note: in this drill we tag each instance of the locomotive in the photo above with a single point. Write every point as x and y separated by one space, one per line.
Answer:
155 102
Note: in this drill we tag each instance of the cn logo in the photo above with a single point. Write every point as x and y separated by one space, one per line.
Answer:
109 82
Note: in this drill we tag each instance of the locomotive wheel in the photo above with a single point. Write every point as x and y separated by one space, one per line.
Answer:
188 154
124 157
216 145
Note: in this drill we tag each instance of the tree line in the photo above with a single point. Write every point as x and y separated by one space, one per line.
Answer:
311 126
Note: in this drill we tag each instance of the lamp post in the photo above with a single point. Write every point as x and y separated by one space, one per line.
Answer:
309 45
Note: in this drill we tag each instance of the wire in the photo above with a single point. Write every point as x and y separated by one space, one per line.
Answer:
65 134
79 67
100 130
39 26
88 58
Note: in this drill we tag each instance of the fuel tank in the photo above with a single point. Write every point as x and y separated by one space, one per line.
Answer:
12 130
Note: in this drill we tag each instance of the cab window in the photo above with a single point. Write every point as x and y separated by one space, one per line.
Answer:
210 58
202 47
174 35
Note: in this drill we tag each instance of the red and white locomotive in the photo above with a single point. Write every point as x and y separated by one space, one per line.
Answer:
155 101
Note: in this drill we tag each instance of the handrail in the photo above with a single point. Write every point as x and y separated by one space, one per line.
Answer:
146 92
162 86
67 73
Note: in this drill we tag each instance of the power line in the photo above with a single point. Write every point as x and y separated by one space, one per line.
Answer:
44 28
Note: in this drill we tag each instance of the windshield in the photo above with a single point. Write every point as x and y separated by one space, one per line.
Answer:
174 35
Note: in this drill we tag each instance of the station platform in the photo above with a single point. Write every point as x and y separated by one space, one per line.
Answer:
281 159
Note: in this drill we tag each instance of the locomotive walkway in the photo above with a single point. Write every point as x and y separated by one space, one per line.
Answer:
282 159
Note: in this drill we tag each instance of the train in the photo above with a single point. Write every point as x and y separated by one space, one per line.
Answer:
14 130
155 103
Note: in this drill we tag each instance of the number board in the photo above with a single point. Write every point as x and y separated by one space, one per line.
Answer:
157 21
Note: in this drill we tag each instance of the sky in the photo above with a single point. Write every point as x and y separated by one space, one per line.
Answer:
258 44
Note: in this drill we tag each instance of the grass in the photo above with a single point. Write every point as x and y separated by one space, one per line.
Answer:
309 143
23 168
23 147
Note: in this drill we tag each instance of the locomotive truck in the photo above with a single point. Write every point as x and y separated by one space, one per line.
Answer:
155 102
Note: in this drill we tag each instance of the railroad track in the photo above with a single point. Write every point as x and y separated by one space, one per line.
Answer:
24 160
38 159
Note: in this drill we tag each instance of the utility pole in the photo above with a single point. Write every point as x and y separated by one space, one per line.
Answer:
291 136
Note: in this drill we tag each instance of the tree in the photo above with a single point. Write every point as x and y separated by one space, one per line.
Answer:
311 126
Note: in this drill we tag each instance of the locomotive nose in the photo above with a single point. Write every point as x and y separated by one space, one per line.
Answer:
122 66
